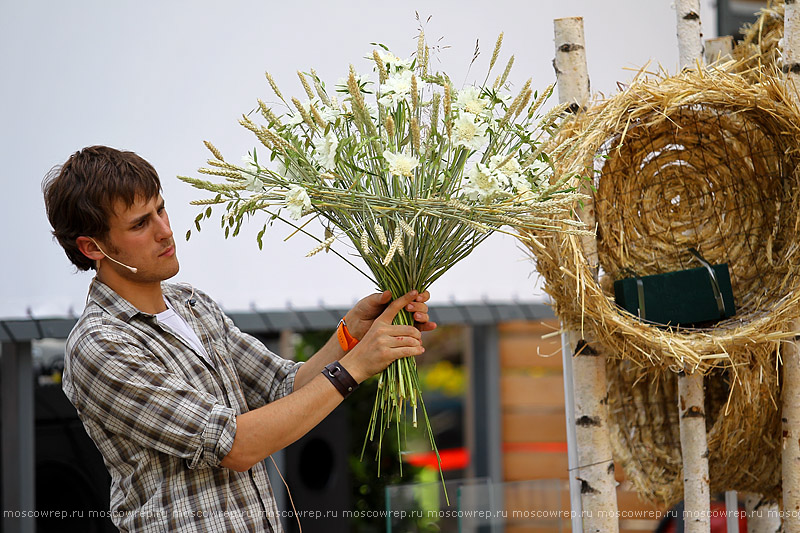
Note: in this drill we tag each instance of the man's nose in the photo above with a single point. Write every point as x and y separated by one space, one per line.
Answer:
164 229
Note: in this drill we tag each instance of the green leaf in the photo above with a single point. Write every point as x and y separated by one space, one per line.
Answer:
188 234
208 212
260 237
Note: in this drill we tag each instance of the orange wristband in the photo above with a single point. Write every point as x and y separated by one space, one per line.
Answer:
346 341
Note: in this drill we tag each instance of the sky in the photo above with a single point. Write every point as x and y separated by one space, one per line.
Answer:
159 78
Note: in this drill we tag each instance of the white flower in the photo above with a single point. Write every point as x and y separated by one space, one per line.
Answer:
540 173
328 114
251 180
250 162
361 79
506 98
297 201
468 133
469 99
394 63
396 88
372 109
481 183
510 168
253 183
325 150
400 164
510 173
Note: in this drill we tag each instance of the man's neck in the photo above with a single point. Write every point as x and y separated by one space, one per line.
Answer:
144 296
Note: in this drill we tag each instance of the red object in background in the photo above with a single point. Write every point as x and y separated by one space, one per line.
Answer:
452 459
719 523
458 458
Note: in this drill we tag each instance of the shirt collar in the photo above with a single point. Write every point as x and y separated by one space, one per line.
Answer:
114 304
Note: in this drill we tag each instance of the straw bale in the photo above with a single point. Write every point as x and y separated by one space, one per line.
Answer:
743 431
760 49
706 159
702 159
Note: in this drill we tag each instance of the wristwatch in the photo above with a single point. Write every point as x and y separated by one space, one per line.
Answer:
346 341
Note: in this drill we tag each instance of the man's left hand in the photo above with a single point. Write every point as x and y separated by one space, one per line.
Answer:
360 318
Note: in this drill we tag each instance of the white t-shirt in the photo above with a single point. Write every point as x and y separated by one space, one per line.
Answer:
179 326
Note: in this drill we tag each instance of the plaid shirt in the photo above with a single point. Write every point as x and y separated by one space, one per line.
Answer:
164 416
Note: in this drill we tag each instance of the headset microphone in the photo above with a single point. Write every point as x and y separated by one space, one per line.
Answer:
132 269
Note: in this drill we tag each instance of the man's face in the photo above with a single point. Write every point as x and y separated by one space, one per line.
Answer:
140 236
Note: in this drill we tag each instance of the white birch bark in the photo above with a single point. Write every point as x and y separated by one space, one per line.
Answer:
691 398
791 46
694 450
762 516
595 463
718 49
790 416
690 34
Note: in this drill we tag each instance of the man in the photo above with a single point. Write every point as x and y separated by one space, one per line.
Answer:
182 405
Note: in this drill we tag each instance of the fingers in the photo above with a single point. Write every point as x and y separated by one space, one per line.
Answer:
405 331
406 345
393 308
378 300
427 326
383 344
419 310
414 348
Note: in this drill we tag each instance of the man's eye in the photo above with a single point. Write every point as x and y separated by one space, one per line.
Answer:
140 224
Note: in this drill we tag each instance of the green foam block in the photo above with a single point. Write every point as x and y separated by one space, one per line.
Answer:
681 298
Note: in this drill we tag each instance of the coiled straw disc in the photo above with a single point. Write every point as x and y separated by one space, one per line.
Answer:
703 178
703 159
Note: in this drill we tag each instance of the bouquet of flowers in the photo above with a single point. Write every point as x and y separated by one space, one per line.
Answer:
406 171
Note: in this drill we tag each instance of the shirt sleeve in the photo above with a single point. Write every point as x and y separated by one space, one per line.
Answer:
264 376
134 395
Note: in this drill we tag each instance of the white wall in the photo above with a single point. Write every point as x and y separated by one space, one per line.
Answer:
160 77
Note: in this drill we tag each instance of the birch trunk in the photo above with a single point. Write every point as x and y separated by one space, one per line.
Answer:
690 34
595 464
763 516
718 49
691 401
790 417
694 449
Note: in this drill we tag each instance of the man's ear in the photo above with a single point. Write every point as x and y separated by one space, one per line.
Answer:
89 248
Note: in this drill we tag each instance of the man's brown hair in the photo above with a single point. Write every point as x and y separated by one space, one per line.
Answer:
80 194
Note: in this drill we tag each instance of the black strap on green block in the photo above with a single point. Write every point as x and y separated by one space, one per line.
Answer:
640 294
714 282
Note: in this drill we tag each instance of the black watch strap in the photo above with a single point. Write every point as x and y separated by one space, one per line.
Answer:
340 378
